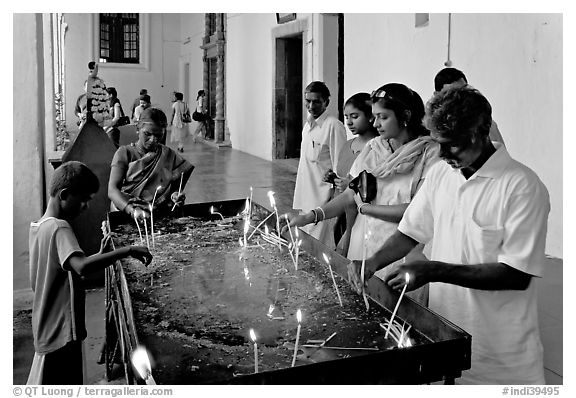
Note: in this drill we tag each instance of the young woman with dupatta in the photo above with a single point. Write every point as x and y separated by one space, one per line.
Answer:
399 159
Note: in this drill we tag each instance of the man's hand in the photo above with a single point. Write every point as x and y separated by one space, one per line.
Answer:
141 253
419 274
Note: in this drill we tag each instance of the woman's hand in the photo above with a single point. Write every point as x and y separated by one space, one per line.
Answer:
141 253
295 221
355 275
341 183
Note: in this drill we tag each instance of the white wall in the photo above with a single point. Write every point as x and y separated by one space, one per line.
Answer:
27 138
191 34
160 74
249 82
515 60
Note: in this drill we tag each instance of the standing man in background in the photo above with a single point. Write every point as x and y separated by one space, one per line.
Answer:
323 136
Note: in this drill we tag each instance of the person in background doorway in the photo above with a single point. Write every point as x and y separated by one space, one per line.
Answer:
449 76
487 214
359 119
323 137
57 264
137 102
179 126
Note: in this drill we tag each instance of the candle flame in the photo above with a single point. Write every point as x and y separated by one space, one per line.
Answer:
246 225
296 232
141 362
271 197
246 273
290 246
212 209
240 241
253 335
266 229
299 315
159 187
326 258
407 276
270 309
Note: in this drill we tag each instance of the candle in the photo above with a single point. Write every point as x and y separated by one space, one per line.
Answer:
273 204
299 318
333 279
407 277
250 208
246 222
366 235
298 243
289 229
213 211
258 226
141 363
253 337
146 230
152 216
179 189
138 225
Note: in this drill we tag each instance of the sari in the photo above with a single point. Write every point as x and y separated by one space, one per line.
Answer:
145 171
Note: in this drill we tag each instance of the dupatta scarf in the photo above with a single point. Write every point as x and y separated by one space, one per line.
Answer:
412 157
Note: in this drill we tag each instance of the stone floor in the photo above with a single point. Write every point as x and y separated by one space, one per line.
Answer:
225 173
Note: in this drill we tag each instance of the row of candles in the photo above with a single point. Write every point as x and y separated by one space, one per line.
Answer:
398 332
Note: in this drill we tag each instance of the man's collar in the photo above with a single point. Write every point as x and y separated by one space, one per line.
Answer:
318 121
496 164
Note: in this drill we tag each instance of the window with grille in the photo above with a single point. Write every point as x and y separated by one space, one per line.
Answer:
120 38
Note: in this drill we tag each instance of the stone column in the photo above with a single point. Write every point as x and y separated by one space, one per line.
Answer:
219 120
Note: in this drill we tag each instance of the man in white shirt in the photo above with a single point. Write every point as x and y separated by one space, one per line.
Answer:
488 216
323 136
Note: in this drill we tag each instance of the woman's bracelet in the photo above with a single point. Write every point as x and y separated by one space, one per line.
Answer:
315 216
361 206
323 214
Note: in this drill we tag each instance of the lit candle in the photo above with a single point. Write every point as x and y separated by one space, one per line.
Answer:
138 225
250 208
253 337
299 318
273 204
141 363
246 222
407 277
289 228
152 216
297 249
179 189
366 235
146 230
213 211
333 279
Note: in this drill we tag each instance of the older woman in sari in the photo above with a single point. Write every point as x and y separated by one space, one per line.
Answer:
142 168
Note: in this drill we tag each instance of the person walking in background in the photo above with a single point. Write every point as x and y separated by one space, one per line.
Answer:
144 104
449 76
201 116
179 120
117 117
323 137
57 264
137 102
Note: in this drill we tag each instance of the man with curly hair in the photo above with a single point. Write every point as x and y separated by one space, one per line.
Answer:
487 214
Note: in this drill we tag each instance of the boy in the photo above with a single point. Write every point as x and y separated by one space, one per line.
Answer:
57 264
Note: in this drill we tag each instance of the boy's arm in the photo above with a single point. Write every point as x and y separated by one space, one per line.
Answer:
83 265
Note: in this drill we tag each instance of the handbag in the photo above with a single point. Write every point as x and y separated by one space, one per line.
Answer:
186 115
365 185
197 116
123 121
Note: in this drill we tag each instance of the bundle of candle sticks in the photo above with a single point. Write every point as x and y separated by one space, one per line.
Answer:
398 332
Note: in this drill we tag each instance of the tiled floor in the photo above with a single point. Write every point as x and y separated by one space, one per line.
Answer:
225 173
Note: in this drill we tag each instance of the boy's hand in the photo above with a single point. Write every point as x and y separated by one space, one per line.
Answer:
178 199
141 253
106 243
